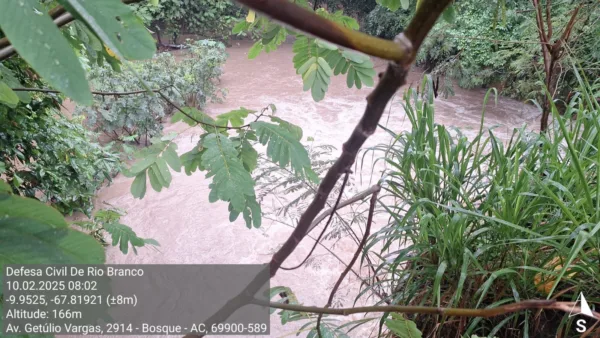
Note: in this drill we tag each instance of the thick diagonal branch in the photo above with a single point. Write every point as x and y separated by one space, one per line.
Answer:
391 80
309 22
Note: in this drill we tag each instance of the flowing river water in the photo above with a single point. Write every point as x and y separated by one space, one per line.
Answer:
191 230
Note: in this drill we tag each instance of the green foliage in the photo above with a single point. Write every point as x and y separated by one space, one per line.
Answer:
206 18
47 156
386 24
402 327
116 25
190 81
27 30
29 27
107 221
154 163
315 60
284 149
33 233
228 160
489 222
497 46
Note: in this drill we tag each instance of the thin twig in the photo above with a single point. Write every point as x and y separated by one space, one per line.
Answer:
335 206
44 90
354 258
358 197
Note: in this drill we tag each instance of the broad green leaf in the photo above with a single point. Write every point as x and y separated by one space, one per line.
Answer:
155 178
164 171
240 27
117 25
392 5
234 117
138 187
142 165
450 14
123 236
28 241
231 181
21 207
170 155
283 147
402 327
154 2
9 78
8 96
37 39
34 233
255 50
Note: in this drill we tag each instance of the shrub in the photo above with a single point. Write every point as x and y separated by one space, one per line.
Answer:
206 18
48 156
190 82
479 223
386 24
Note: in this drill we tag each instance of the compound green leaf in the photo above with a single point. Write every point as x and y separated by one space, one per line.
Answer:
249 156
192 160
234 117
124 237
117 26
138 187
292 128
37 39
283 147
231 181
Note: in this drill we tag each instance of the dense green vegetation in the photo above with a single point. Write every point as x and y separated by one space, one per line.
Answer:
490 46
191 82
473 223
487 222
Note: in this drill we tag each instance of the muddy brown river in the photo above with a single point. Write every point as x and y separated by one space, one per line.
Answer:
193 231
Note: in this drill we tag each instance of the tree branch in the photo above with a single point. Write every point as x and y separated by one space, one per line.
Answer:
355 198
354 258
390 81
309 22
459 312
44 90
335 206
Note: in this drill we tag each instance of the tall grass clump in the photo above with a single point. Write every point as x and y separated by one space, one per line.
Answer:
484 222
